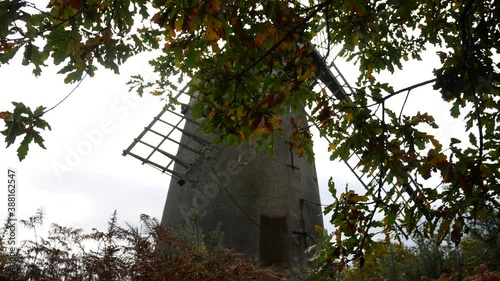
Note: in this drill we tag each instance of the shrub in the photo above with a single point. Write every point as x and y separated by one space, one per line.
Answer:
151 252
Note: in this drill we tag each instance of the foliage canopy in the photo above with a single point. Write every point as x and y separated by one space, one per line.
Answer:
247 62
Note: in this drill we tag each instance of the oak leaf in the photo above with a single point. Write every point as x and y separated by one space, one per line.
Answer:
5 115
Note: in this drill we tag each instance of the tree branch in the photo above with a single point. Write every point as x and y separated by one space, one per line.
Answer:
408 89
275 46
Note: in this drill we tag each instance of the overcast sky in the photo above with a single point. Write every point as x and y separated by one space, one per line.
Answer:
82 176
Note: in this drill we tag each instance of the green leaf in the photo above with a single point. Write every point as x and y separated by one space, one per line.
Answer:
38 139
390 218
73 76
42 124
455 109
319 230
331 187
9 133
472 139
22 151
39 111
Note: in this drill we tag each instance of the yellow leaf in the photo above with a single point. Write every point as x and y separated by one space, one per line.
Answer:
171 31
214 30
178 23
240 112
369 71
242 136
276 122
331 146
349 116
300 150
212 114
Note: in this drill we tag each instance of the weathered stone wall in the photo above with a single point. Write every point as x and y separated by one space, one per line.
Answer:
263 204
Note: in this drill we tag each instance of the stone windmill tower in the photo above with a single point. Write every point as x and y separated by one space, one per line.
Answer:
266 207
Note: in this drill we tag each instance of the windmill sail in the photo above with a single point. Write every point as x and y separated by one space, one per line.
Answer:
338 88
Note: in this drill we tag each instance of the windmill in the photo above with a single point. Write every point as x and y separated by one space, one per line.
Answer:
266 207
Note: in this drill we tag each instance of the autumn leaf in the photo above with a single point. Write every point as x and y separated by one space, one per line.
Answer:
331 146
349 116
214 30
179 23
5 115
264 35
242 136
215 6
75 4
192 23
444 228
456 234
157 93
300 150
276 122
261 38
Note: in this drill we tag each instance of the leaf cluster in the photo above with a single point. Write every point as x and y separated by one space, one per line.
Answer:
421 258
24 121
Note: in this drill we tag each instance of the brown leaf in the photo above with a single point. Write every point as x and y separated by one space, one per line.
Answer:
456 234
5 115
215 6
260 38
75 4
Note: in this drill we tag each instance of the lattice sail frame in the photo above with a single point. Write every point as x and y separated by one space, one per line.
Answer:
158 143
331 79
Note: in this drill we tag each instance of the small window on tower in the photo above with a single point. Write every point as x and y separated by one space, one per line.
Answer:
273 241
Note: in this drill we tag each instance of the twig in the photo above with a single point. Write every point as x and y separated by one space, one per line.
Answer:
67 96
402 107
408 89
